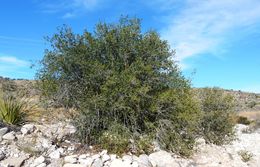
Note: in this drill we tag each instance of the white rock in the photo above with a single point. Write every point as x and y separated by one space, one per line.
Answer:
71 148
28 128
143 161
70 159
9 136
135 164
71 129
200 141
42 165
83 156
135 158
127 164
16 155
61 150
112 157
162 159
117 163
103 152
73 165
56 154
3 131
45 143
87 162
2 155
97 163
38 161
107 163
15 162
127 158
95 156
105 158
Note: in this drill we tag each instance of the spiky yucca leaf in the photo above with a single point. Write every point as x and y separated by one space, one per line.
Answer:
12 111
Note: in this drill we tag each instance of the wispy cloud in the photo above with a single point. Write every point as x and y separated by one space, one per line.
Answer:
14 61
69 8
205 26
20 39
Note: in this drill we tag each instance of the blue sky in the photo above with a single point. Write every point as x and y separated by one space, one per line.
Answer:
219 40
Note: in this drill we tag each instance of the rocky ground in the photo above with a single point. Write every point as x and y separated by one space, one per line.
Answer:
49 145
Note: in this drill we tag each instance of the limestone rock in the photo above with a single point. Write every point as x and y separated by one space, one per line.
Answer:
135 164
95 156
9 136
97 163
117 163
14 161
56 154
3 131
27 129
83 156
86 162
73 165
56 163
105 158
38 161
72 159
103 152
2 155
127 159
112 157
162 159
42 165
143 161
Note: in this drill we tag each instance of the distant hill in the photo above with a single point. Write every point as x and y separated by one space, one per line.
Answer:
18 87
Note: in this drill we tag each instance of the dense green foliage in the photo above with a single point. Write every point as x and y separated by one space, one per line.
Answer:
120 77
218 116
127 88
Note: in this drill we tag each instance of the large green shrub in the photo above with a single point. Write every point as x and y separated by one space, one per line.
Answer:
120 77
218 116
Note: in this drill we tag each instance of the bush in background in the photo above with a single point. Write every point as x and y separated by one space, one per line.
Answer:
218 122
243 120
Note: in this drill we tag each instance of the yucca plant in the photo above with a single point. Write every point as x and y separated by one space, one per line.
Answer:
12 111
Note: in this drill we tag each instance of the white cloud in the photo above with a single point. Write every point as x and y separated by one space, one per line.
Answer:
87 4
205 26
11 60
69 8
68 15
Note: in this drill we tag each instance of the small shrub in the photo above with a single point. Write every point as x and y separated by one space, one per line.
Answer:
217 124
245 155
9 86
242 120
255 125
12 111
179 142
218 127
143 144
251 104
116 139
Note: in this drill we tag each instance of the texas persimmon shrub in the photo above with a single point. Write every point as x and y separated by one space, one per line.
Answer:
128 90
